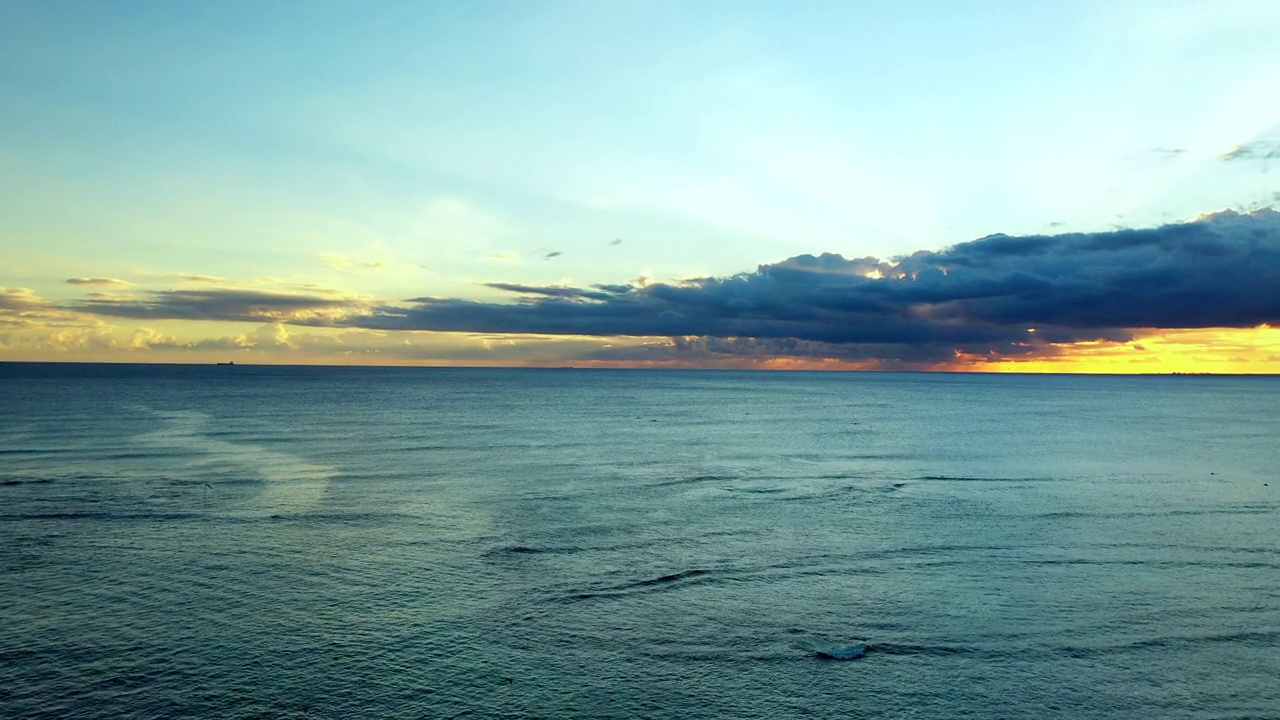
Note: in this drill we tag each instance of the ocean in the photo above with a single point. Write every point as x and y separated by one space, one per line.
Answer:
247 542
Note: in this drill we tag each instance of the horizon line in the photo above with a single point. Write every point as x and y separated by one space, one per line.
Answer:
631 368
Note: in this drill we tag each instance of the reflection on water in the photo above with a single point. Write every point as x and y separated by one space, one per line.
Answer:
286 482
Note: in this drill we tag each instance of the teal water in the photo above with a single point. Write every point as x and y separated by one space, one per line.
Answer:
236 542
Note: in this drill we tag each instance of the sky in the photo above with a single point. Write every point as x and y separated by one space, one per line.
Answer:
992 186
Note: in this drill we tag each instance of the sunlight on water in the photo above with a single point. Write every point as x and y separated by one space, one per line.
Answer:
290 483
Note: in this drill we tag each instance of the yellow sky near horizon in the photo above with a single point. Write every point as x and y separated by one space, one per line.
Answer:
71 337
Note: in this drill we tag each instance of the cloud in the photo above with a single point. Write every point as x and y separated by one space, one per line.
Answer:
756 352
560 291
616 241
979 297
1258 150
350 264
98 281
227 304
23 308
60 339
102 341
30 321
20 299
550 255
997 297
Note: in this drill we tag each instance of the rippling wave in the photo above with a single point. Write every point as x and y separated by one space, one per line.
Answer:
309 542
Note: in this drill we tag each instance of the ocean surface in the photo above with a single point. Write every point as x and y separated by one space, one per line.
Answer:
244 542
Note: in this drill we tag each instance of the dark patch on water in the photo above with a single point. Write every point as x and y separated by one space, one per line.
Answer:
1246 564
673 577
662 582
1263 639
530 550
26 481
215 483
313 517
103 515
1251 509
977 479
927 650
696 479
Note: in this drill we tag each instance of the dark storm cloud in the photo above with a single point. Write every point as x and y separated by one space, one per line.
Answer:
699 349
1220 271
547 290
982 296
219 304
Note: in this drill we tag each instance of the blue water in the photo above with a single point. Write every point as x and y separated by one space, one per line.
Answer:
236 542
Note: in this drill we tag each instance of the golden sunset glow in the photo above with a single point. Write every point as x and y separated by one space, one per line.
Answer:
1211 350
720 192
79 339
